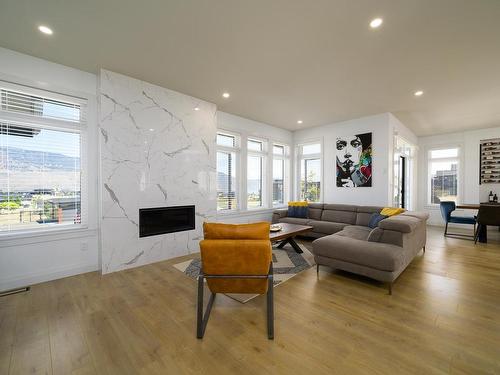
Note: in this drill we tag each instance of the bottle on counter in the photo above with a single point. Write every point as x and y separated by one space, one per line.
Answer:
495 199
490 197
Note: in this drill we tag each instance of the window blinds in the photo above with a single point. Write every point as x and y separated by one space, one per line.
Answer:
42 179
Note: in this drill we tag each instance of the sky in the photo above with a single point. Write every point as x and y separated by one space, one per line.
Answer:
47 140
60 142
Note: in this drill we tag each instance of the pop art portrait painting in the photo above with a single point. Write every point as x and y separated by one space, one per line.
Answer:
354 160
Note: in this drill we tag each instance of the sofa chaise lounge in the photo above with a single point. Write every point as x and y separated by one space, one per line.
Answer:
344 240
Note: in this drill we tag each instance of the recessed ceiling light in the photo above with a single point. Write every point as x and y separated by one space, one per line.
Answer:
418 93
376 22
300 122
45 30
226 95
151 130
196 108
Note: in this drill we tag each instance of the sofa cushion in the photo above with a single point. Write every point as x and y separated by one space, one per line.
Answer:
375 235
355 231
418 214
364 214
376 255
294 220
339 213
280 212
314 211
326 227
340 207
400 223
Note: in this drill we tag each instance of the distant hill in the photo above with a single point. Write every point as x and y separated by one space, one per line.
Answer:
253 186
17 159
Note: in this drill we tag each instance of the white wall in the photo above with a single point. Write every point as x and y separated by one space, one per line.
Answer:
469 189
379 125
42 257
401 130
249 128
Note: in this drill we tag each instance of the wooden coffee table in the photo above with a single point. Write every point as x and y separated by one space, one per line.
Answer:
287 233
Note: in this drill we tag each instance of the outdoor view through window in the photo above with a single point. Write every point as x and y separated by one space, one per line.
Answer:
443 175
40 167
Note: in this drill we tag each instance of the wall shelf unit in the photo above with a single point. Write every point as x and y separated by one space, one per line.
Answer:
489 164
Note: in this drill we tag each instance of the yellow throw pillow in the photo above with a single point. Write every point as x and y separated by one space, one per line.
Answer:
391 211
298 203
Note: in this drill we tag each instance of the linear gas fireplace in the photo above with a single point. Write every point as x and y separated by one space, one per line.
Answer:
160 220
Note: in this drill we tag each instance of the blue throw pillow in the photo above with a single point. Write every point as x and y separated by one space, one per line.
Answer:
375 219
297 209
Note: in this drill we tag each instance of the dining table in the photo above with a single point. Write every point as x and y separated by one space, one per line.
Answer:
483 229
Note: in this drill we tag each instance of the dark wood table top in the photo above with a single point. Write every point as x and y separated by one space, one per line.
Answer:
289 230
476 206
468 206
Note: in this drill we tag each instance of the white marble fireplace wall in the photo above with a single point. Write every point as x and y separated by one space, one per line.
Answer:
156 150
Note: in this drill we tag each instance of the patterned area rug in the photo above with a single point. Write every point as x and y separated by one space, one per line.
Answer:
286 264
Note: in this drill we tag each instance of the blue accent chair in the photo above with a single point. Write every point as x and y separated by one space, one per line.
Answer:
446 209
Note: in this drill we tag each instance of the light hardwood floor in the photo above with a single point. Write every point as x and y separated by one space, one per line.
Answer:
443 317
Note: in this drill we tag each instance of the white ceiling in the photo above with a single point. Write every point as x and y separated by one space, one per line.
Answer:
284 60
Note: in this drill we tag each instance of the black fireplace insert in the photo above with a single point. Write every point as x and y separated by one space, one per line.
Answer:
160 220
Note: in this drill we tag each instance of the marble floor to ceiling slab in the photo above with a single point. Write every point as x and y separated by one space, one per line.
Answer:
156 150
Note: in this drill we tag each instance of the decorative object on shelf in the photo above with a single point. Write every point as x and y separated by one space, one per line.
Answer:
275 227
490 197
354 160
489 155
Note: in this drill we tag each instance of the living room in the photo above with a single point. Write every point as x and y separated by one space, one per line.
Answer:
253 187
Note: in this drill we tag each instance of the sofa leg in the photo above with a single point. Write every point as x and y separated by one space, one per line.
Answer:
423 248
389 287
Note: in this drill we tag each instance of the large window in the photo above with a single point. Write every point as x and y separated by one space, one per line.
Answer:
443 168
41 181
227 185
252 173
310 172
256 160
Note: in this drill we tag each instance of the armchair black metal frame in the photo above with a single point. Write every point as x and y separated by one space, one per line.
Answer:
446 208
446 234
202 320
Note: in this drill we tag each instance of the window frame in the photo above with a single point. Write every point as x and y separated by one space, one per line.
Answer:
298 170
285 157
241 172
80 127
263 153
428 174
236 149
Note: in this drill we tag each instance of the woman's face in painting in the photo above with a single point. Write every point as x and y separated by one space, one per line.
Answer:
349 152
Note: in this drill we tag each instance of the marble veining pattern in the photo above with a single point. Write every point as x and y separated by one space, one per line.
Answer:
156 150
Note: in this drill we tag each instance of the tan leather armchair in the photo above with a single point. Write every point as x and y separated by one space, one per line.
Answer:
236 258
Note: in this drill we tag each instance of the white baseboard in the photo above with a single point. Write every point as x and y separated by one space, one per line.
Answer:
46 275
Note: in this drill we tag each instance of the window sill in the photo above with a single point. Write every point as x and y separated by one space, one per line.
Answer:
44 235
250 212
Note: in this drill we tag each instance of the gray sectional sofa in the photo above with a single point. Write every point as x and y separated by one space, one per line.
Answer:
343 239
